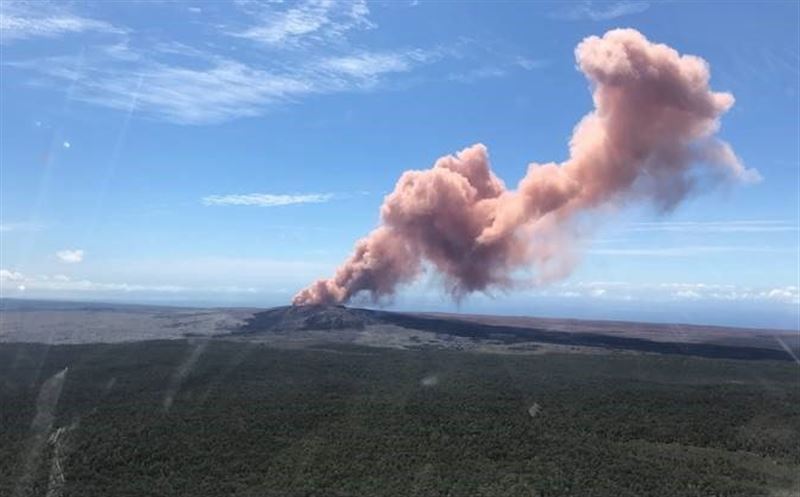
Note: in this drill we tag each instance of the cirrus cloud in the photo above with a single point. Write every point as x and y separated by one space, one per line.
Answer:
24 20
267 199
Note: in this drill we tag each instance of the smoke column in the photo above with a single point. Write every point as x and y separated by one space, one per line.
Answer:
649 138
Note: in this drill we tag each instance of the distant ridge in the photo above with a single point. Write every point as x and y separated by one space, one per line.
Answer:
15 304
286 319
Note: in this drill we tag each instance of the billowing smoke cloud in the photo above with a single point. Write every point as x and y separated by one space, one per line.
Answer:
650 137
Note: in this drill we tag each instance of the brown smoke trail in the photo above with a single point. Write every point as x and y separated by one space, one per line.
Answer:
650 137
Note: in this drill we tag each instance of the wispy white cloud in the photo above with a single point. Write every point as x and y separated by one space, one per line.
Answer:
70 256
227 89
22 226
477 74
267 199
23 20
368 65
754 226
310 21
217 271
191 276
788 294
7 275
688 251
211 89
502 65
10 279
215 91
784 295
15 281
284 53
600 11
529 64
620 290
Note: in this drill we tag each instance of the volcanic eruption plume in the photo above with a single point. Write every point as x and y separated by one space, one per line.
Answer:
649 137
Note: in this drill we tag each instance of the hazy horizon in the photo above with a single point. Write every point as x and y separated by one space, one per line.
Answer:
704 316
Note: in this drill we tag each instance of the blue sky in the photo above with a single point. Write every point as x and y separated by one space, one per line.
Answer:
230 153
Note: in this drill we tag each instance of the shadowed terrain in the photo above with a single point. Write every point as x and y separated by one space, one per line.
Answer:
315 325
481 329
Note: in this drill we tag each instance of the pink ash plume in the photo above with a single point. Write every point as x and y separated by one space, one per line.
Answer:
649 138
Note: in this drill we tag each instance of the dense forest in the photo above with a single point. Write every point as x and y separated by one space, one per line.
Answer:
211 418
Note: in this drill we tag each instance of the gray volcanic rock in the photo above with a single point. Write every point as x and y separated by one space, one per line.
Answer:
310 317
288 319
83 322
